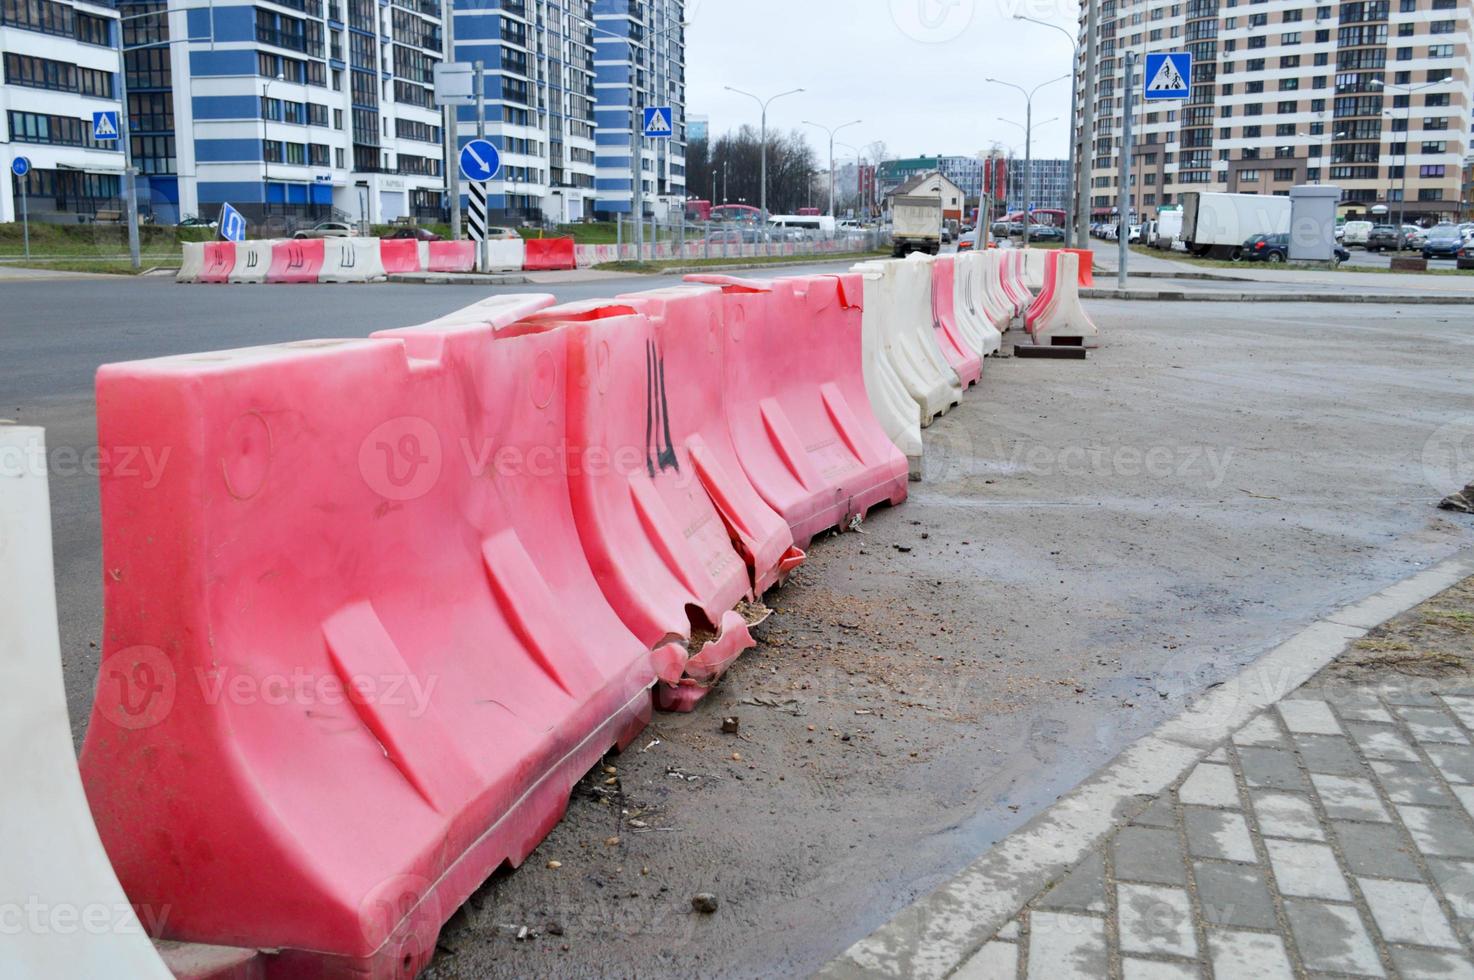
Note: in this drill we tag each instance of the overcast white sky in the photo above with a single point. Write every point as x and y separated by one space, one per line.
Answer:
912 70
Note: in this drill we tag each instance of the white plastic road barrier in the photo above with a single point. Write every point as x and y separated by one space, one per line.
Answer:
1063 322
193 265
1034 259
252 260
507 256
910 339
351 260
996 301
967 300
488 311
897 411
71 917
1014 286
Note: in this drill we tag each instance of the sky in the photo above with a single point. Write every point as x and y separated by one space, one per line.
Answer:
912 70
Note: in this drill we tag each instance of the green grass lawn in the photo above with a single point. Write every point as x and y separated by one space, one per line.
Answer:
83 241
116 267
1280 266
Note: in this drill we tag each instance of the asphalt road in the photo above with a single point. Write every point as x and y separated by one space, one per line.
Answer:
1095 542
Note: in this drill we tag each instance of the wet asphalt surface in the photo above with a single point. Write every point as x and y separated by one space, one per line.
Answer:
1094 543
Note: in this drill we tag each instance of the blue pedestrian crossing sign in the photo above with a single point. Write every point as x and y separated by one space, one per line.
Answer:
105 125
480 160
1166 75
658 122
232 224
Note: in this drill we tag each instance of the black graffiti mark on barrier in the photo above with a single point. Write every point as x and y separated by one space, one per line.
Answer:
347 256
296 258
253 259
143 680
657 415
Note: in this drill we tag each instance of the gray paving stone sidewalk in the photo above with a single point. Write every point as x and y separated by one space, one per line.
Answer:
1331 836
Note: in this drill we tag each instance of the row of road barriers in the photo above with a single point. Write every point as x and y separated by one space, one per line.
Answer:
358 650
338 260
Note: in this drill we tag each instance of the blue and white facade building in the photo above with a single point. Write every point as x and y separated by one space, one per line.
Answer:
305 108
640 60
60 66
538 59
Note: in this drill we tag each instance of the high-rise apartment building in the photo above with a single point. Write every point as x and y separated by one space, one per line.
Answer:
1373 96
61 66
1049 184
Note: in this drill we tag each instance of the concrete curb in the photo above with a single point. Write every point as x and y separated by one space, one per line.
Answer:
1180 296
936 935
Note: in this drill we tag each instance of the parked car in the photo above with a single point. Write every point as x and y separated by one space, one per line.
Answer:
1276 249
1414 236
195 221
327 229
1046 233
737 236
497 233
1443 242
1466 256
946 232
1000 229
418 234
1383 237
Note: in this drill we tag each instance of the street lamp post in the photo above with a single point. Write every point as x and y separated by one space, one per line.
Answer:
265 138
1028 147
1076 180
763 175
1028 182
859 166
1407 114
831 133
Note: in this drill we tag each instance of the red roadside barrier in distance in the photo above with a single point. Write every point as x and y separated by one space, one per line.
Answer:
1046 293
964 360
399 255
295 260
353 641
548 254
1087 265
219 261
452 256
653 536
796 403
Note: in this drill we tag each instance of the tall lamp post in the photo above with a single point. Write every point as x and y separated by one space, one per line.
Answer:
859 165
1028 148
831 133
1028 182
1407 113
763 176
1076 178
266 138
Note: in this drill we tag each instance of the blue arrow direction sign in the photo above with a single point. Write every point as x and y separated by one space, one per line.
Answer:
480 160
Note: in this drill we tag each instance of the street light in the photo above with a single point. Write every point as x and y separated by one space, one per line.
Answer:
1028 137
763 104
859 166
265 160
1077 181
1407 113
831 133
1028 171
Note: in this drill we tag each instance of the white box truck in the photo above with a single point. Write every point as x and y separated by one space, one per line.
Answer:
916 225
1167 229
1216 225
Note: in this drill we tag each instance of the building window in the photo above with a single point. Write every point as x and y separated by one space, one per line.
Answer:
61 76
36 127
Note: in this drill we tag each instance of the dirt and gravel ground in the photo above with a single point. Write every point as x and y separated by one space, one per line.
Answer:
1094 543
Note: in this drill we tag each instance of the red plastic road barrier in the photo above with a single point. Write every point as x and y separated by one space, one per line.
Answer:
399 255
219 261
545 254
355 655
1012 278
655 540
1087 265
964 360
452 256
295 260
796 402
688 326
1046 294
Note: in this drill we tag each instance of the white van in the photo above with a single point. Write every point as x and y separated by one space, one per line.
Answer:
1355 233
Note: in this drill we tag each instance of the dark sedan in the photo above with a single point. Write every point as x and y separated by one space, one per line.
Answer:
418 234
1443 242
1384 237
1276 248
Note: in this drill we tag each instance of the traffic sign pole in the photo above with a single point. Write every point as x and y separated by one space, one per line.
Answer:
483 250
1123 197
21 168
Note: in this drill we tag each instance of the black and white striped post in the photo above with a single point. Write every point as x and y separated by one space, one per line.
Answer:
476 221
